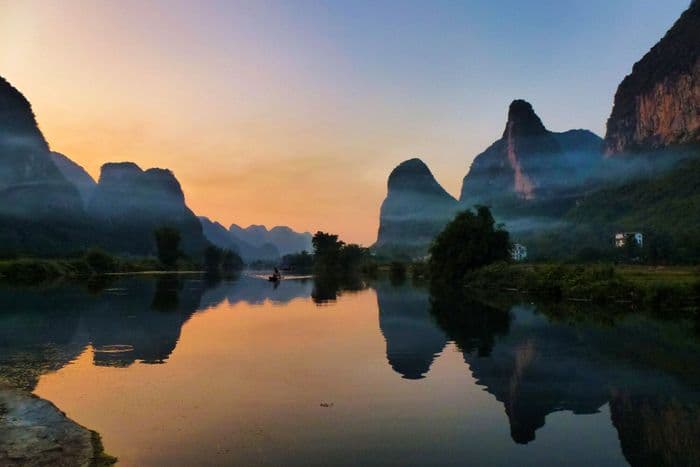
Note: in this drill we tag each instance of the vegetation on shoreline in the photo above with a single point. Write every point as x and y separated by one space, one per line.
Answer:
37 270
333 256
663 289
472 253
470 241
96 261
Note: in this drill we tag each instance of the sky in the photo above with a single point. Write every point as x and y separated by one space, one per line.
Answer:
295 112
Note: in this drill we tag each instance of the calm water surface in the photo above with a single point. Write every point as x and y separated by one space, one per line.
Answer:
180 371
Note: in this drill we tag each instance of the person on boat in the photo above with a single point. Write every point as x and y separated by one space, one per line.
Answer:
276 274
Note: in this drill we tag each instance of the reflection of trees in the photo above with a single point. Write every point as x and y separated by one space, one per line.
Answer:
165 297
471 324
327 287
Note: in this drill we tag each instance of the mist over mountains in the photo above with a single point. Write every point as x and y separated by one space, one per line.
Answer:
29 180
563 193
415 210
550 189
76 175
529 162
51 206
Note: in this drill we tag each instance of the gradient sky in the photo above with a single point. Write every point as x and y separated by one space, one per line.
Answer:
294 112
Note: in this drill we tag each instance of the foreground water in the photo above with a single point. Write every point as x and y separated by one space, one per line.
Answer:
179 371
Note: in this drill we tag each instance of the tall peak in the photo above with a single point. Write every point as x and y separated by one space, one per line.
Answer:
412 174
522 119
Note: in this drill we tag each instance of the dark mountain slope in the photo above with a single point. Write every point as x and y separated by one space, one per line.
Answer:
415 209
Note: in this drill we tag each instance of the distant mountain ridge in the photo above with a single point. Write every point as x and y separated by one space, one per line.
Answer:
283 238
221 237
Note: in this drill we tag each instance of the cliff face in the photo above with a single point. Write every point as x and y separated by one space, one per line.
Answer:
415 209
658 104
31 186
129 199
529 161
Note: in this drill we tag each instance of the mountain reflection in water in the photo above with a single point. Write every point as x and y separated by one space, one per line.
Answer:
642 370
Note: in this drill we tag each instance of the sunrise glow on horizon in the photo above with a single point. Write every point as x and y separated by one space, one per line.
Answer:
295 113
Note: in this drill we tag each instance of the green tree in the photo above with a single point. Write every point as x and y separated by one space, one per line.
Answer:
299 262
352 257
168 244
327 250
468 242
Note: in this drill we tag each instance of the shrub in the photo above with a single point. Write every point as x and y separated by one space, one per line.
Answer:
100 261
470 241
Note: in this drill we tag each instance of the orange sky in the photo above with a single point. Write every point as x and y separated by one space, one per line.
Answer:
281 113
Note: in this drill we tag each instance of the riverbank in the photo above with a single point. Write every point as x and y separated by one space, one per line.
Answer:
33 431
40 270
669 289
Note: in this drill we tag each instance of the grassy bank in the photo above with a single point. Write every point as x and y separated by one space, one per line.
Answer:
674 289
92 263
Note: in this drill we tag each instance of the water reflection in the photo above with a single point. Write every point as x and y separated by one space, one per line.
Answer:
535 366
328 288
412 338
126 320
532 360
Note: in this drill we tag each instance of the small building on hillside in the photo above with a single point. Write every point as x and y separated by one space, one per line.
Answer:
518 252
623 238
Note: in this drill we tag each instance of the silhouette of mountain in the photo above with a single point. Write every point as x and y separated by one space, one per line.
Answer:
136 202
415 209
30 183
284 239
75 174
39 207
530 162
412 338
658 104
219 236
